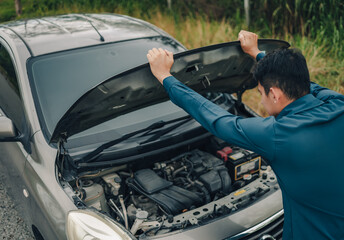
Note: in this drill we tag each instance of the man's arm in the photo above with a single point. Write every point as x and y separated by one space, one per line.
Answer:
255 134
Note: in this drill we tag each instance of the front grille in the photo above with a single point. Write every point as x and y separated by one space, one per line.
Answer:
275 229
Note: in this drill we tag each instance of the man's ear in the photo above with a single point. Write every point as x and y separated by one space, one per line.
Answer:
275 94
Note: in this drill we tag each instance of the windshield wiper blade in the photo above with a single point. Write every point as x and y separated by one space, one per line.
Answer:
95 153
164 131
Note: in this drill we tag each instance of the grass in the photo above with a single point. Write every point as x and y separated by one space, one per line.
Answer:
325 61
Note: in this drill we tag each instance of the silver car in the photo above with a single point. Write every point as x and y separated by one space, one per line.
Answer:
93 149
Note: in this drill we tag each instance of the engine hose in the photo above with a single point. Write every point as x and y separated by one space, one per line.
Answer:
178 171
114 207
201 187
226 180
191 168
181 179
124 211
204 190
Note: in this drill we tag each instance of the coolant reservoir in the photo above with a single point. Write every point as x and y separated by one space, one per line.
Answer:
94 196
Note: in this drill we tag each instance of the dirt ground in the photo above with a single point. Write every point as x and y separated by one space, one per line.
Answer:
12 225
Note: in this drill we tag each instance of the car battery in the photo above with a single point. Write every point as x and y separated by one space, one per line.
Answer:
241 162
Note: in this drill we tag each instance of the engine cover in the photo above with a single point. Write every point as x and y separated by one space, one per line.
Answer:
217 180
172 199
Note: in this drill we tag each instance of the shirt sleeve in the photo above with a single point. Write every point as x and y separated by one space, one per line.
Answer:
260 55
323 93
254 134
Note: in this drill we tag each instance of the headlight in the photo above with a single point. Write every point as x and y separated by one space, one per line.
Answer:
88 225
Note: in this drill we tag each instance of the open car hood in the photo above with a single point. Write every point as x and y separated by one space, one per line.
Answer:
222 67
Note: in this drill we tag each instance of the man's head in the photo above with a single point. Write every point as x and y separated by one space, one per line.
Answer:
282 78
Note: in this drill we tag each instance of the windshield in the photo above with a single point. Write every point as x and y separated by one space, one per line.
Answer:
59 79
124 124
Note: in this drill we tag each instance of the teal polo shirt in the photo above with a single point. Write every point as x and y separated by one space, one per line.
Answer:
304 145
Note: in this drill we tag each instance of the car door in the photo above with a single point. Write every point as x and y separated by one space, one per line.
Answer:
12 152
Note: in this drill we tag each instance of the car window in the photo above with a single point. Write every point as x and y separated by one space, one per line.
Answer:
60 79
10 98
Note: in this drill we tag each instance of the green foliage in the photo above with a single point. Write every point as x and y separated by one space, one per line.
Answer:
7 11
317 19
7 14
314 26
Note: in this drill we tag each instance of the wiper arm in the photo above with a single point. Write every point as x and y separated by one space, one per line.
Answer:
95 153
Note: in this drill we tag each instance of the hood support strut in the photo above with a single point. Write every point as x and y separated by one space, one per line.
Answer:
64 162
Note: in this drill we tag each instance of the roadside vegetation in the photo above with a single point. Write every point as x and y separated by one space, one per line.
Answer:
316 27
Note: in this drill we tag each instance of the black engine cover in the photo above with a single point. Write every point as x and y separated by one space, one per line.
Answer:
171 198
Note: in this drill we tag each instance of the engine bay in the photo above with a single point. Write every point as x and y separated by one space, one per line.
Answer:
186 190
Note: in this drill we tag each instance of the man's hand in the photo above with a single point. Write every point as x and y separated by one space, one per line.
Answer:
160 62
249 43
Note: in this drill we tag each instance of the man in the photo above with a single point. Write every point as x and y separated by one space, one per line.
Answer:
303 139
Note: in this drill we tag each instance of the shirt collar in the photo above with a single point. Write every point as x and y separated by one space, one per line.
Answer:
302 104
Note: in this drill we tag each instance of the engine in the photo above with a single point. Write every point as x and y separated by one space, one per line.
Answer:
183 183
190 188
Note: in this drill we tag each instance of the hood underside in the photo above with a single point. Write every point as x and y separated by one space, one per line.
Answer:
222 67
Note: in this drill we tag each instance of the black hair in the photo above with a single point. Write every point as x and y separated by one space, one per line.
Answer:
285 69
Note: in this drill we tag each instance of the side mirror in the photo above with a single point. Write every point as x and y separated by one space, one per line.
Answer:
8 131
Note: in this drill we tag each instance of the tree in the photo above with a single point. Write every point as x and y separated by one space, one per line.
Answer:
18 6
247 12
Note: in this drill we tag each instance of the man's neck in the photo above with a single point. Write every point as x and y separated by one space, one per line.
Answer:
283 103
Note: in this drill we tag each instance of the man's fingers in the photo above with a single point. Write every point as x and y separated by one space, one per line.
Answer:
246 35
241 37
161 51
153 53
168 53
150 52
165 52
149 57
242 33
